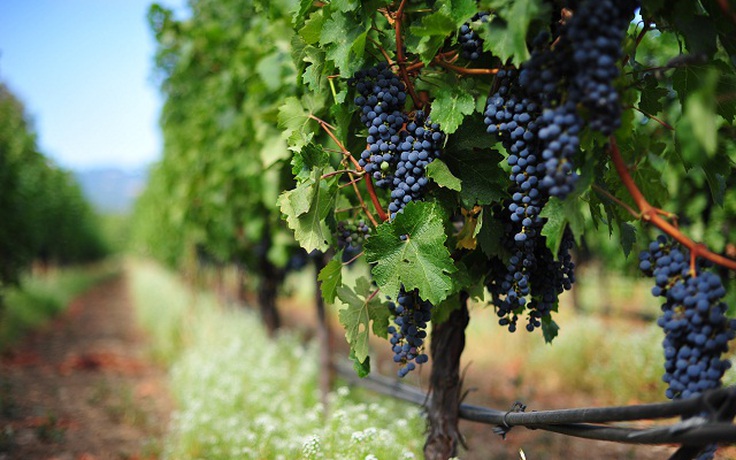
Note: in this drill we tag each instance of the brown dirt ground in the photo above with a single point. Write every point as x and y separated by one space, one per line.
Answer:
81 388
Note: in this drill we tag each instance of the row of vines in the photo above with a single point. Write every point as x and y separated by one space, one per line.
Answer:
44 217
462 151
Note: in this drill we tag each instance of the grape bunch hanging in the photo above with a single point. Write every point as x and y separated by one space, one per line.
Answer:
696 328
538 112
399 148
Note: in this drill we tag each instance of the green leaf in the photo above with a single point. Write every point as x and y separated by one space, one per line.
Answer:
441 174
433 29
652 95
560 214
505 36
362 308
344 43
483 180
310 157
550 329
450 107
438 23
462 11
345 5
489 233
628 237
313 72
293 119
313 27
300 13
418 261
699 32
361 368
331 277
306 209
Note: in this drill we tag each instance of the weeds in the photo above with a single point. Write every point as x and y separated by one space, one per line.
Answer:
243 395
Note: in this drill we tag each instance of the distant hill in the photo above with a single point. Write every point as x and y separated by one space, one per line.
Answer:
111 190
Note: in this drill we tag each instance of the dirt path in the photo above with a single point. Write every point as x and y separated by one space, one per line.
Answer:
81 387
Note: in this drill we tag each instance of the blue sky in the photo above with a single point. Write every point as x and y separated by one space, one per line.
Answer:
83 69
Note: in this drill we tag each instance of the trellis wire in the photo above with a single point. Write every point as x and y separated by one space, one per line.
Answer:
581 422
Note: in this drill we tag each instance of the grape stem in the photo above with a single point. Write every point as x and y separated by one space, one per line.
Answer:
358 256
657 217
401 58
463 70
353 180
649 115
383 51
366 177
611 197
441 60
341 171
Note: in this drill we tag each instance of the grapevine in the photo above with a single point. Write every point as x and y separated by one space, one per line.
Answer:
694 321
492 202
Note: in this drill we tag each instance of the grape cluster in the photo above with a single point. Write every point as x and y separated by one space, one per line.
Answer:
411 315
350 238
421 143
400 147
577 72
535 112
514 119
381 97
352 234
594 34
694 320
471 45
531 279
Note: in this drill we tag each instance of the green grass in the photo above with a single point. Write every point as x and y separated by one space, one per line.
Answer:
243 395
40 297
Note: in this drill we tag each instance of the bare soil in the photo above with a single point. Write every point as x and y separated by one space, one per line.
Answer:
82 388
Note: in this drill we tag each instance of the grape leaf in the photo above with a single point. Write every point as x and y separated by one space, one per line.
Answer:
307 206
313 27
560 213
300 13
489 232
331 277
628 237
700 109
450 107
505 36
293 119
441 174
345 5
360 368
362 308
483 180
550 329
652 95
344 43
419 261
313 72
310 157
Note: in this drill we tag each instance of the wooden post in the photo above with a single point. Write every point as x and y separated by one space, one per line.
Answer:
447 344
